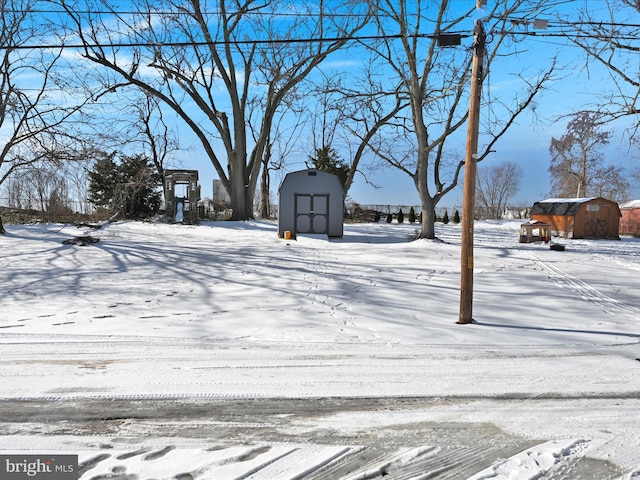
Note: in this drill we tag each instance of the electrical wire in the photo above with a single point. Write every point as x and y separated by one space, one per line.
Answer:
225 42
576 35
514 20
553 30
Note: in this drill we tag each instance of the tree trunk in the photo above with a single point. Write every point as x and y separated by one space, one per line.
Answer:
427 201
239 192
265 204
241 189
2 230
420 179
428 217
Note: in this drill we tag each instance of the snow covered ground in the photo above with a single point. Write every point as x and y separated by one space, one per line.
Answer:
227 312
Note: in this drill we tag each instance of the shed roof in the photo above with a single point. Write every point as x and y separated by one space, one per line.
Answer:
565 206
558 206
567 200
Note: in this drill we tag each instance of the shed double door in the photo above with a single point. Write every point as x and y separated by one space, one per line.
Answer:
597 221
311 213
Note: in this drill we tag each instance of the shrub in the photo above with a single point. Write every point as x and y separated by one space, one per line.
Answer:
412 215
389 218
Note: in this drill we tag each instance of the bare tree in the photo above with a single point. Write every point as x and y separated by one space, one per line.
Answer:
149 130
31 119
577 166
276 151
158 141
433 82
611 181
207 61
496 185
609 35
350 113
634 190
284 134
33 186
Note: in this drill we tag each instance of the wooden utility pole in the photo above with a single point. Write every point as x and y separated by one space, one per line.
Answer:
469 192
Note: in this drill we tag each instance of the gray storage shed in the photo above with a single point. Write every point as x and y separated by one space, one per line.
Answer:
310 201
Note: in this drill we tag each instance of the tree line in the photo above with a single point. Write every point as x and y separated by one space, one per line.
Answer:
381 79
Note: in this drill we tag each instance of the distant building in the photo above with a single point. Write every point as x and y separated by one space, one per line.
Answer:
630 221
579 217
220 193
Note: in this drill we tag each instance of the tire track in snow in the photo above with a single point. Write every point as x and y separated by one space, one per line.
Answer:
583 289
242 441
328 462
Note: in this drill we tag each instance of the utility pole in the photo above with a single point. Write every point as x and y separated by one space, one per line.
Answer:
469 191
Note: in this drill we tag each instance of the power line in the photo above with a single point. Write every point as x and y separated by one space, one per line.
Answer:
537 34
550 30
184 12
561 33
514 20
225 42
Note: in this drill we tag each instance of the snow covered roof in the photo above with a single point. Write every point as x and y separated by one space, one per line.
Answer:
631 204
561 206
566 200
557 206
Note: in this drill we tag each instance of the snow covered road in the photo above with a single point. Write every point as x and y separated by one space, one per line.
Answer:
330 410
77 367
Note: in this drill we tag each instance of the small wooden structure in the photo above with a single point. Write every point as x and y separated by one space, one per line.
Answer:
630 220
310 201
535 231
579 217
181 204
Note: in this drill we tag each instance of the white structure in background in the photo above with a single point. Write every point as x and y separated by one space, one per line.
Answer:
220 193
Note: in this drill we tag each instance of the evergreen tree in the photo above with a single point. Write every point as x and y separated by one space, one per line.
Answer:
445 217
412 215
102 181
140 194
400 216
131 185
456 217
327 160
389 218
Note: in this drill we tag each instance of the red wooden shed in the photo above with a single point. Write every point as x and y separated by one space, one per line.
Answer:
579 217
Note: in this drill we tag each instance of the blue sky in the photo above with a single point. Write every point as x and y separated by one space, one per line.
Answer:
576 87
